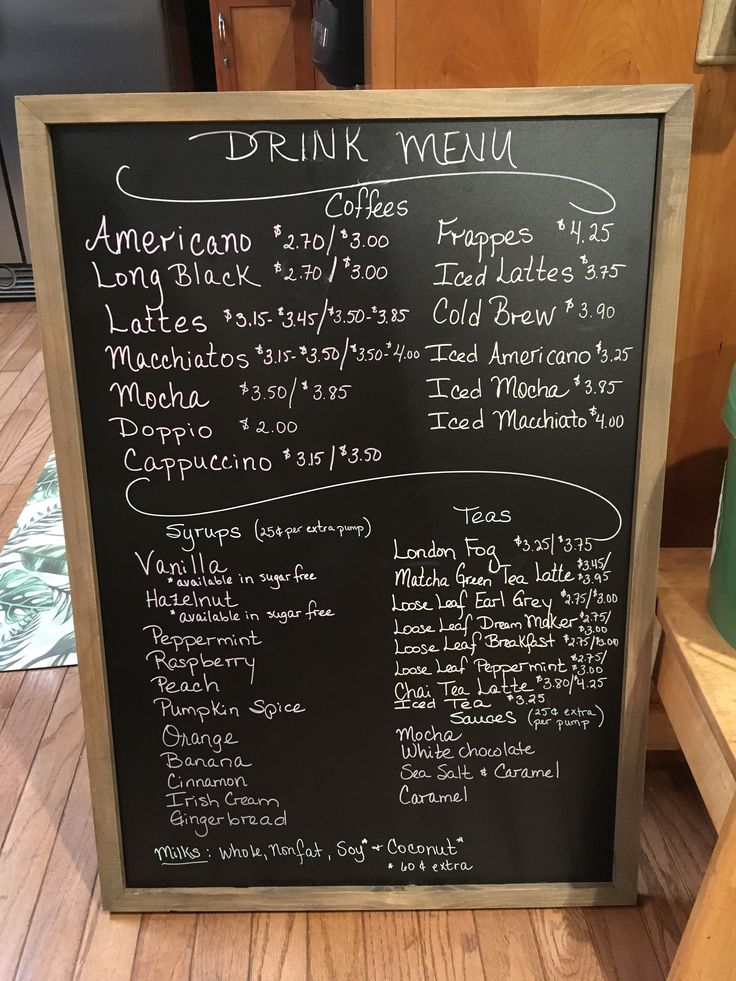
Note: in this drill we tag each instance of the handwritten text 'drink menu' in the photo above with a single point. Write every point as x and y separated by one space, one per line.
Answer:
360 409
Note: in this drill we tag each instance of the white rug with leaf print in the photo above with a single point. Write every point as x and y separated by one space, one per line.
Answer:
36 627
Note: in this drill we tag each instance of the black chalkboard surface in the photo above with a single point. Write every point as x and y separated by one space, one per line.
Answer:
360 405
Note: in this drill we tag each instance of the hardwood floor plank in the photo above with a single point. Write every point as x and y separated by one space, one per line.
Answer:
21 735
11 314
393 947
336 947
109 943
58 922
665 901
6 380
17 424
25 434
34 439
10 682
25 351
221 947
7 493
30 838
278 947
672 799
450 945
18 334
165 945
508 947
566 946
622 944
20 387
41 388
8 327
9 307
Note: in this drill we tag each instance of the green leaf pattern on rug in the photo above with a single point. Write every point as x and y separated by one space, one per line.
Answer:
48 482
15 639
22 595
45 558
36 628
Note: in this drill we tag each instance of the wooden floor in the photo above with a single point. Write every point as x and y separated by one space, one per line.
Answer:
51 925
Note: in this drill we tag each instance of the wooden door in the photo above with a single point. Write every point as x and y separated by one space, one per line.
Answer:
430 43
262 44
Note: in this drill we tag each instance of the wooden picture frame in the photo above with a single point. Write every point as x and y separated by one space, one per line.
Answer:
37 115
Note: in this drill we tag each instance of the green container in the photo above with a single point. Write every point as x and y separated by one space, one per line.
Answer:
722 590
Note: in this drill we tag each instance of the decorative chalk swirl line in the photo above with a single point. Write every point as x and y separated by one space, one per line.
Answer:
368 480
381 181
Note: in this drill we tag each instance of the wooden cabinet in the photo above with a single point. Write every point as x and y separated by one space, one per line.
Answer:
262 44
430 43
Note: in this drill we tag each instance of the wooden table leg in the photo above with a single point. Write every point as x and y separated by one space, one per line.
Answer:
707 951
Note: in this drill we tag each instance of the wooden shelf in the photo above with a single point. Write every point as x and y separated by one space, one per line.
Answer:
695 674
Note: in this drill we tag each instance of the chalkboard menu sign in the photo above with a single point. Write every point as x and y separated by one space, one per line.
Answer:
360 404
